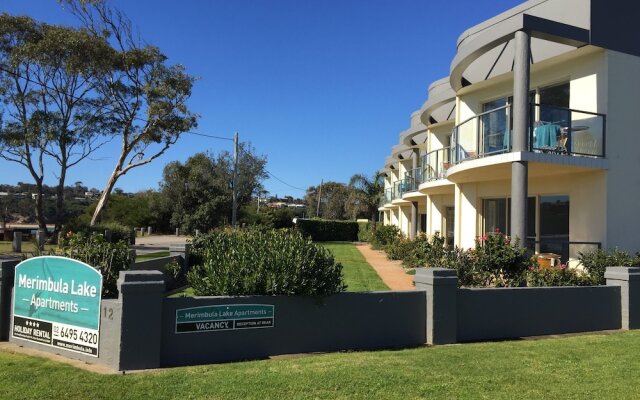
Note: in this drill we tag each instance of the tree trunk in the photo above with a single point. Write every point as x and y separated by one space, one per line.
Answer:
42 224
60 200
104 196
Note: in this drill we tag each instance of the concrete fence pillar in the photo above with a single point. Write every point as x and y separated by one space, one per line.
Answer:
629 281
108 235
181 250
16 245
141 294
149 230
7 270
441 286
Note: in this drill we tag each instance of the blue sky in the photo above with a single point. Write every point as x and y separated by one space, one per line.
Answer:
322 88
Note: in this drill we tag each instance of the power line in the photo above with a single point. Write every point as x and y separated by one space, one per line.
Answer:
283 182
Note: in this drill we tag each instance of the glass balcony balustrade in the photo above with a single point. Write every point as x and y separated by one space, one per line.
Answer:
435 164
556 130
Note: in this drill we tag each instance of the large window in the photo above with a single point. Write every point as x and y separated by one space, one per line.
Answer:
554 96
497 215
554 225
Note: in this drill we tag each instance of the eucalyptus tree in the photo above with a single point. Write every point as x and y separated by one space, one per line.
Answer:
147 96
51 106
369 191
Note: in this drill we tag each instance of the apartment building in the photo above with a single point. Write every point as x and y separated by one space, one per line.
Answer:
533 133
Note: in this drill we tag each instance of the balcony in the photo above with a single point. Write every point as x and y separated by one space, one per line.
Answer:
555 130
387 198
435 164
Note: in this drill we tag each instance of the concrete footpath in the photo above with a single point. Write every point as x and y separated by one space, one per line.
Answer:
391 272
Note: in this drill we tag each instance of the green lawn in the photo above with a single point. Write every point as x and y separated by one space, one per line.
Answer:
581 367
149 256
358 274
27 247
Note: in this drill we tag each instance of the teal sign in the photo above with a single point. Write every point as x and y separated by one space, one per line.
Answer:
224 317
56 302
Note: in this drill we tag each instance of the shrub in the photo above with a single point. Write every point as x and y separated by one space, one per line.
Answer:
108 258
118 232
262 262
366 231
496 262
595 262
429 252
384 235
399 249
561 276
321 230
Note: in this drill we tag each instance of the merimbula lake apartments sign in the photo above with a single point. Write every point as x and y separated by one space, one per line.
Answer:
56 302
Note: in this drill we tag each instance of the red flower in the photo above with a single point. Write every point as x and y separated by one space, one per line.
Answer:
496 230
483 238
563 266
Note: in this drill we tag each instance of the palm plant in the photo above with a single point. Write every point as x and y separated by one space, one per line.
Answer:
369 191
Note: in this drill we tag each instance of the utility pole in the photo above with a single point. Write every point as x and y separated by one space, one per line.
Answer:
234 211
319 197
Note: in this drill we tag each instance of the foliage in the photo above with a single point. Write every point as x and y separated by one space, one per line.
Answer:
595 262
368 192
118 232
53 112
146 96
496 262
320 230
334 198
399 249
385 235
130 210
108 258
557 276
365 231
198 193
262 262
267 217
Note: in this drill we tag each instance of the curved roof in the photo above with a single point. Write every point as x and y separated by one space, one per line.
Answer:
486 50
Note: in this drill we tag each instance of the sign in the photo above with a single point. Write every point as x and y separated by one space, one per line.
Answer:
224 317
56 302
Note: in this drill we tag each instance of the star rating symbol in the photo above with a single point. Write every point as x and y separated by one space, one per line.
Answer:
33 324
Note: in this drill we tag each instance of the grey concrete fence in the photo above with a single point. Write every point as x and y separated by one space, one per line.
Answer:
141 328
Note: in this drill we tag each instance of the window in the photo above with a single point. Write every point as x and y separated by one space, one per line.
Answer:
497 215
554 225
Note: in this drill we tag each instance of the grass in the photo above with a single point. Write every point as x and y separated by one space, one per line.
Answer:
580 367
358 274
150 256
27 247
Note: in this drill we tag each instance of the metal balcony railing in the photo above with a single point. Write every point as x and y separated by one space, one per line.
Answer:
435 164
552 129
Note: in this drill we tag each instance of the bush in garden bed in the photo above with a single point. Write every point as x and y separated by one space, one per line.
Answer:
262 262
557 276
595 262
385 235
118 232
93 249
321 230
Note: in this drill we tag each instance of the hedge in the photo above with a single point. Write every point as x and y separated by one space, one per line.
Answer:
325 231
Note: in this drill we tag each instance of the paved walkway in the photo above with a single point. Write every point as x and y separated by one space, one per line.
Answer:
153 243
391 272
